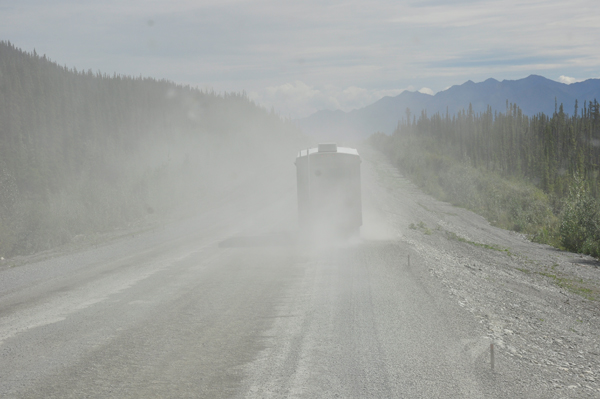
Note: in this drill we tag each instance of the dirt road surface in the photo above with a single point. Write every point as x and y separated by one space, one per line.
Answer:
410 310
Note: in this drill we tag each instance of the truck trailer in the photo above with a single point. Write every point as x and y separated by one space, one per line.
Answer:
329 191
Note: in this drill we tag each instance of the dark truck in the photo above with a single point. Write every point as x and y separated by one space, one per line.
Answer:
329 193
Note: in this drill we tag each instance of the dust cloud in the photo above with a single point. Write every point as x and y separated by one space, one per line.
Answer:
375 226
108 156
238 174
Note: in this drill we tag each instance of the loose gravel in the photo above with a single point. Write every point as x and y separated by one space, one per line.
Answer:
540 306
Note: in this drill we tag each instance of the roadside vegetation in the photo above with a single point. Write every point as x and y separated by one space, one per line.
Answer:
84 152
536 175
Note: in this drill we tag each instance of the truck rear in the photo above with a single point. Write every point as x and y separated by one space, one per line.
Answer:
329 191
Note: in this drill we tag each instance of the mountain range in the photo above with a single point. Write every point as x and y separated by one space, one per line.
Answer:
533 94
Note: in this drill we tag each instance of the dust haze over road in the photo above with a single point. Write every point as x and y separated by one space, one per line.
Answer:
170 313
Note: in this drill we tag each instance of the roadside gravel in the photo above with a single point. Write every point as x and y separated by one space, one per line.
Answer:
538 305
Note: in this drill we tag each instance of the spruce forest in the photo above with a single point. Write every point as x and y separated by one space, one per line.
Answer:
537 175
84 152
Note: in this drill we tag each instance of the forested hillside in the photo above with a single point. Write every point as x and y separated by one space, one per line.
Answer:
83 152
539 174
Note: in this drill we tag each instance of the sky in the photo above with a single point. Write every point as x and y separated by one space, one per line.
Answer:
299 57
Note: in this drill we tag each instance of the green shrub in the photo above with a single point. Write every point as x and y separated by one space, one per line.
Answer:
513 204
579 227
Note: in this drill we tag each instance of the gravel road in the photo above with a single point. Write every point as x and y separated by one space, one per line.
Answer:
410 310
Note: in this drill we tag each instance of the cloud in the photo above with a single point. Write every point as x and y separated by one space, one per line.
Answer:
302 56
426 90
299 100
568 80
295 99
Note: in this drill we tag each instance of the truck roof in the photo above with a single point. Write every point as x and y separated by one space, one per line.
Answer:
327 148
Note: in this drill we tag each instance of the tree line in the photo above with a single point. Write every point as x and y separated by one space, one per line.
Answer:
537 174
82 152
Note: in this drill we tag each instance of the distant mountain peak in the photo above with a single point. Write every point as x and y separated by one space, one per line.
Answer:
534 76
